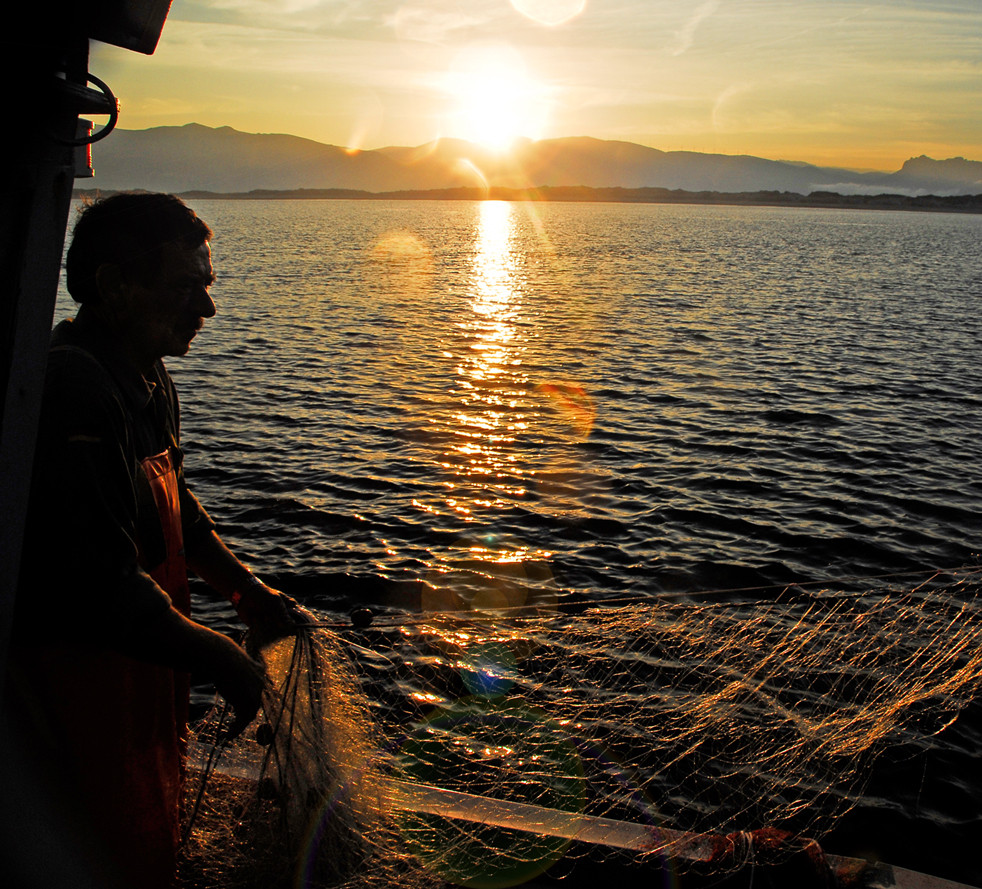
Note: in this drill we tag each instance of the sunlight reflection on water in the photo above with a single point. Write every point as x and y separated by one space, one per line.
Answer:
482 462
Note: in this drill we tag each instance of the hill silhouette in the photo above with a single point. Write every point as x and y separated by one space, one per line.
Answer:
224 160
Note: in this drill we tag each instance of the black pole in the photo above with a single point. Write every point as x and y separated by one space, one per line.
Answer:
45 76
33 218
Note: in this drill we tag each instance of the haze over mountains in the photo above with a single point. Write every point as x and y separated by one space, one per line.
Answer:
198 158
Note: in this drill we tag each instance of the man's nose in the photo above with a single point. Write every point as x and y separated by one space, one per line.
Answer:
203 303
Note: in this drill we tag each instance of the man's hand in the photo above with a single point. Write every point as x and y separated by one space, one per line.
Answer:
239 679
268 613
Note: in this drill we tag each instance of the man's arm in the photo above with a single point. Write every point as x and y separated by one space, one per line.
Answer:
176 641
81 556
267 612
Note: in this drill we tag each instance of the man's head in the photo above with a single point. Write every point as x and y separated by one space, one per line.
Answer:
128 231
142 262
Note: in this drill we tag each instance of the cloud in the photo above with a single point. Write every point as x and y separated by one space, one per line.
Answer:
685 36
429 26
333 17
728 93
270 9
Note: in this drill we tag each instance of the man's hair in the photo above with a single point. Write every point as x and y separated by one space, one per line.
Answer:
128 230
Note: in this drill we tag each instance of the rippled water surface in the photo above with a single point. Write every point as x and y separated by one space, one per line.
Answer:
597 397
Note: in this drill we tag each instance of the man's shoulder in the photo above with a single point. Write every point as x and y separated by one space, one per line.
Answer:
72 364
78 386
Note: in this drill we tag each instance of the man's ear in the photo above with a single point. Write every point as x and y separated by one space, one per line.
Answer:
109 281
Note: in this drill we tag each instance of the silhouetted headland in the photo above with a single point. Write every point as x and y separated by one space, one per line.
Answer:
585 194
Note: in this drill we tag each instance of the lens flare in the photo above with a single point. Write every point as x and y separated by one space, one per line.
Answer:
550 12
573 403
454 747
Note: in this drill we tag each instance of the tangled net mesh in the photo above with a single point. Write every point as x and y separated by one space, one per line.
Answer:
474 748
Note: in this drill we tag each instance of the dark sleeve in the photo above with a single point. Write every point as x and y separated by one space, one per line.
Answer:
80 562
196 524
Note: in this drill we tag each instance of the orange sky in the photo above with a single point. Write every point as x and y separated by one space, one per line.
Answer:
833 82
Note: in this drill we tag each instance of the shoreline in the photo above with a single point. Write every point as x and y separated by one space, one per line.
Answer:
619 195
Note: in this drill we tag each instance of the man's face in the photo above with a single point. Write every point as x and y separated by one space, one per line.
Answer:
162 317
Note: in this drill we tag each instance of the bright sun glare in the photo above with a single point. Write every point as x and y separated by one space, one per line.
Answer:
495 100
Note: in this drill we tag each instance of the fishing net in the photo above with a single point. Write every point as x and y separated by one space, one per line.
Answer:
480 748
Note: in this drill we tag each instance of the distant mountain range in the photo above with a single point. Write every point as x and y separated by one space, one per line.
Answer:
198 158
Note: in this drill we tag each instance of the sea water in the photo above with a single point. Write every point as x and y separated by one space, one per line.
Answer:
410 403
630 398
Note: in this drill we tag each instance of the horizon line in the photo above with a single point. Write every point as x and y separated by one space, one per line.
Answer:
605 194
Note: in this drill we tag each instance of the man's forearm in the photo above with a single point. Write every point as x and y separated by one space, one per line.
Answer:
172 640
218 566
175 641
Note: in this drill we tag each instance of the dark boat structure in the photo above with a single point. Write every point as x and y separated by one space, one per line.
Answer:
53 94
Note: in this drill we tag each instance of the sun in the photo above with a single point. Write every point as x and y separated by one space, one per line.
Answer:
494 100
